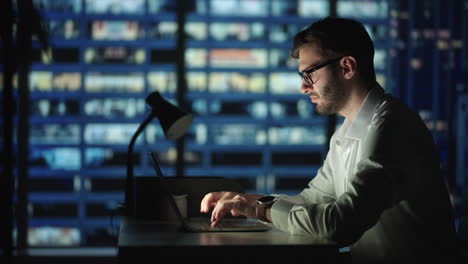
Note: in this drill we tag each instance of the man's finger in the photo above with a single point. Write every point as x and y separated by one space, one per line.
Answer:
209 201
219 211
215 220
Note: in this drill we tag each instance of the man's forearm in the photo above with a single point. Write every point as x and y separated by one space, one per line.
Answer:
268 214
264 214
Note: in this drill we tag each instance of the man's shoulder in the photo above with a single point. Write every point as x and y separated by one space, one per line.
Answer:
395 119
393 110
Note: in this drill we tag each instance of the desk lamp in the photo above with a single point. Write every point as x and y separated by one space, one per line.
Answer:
174 123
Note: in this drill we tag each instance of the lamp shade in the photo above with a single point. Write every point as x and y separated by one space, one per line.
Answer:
173 120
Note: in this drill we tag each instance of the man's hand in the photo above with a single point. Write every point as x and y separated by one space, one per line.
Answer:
229 202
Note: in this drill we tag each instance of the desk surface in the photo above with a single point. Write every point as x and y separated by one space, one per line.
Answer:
139 238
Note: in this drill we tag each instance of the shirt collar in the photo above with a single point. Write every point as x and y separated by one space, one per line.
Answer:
358 127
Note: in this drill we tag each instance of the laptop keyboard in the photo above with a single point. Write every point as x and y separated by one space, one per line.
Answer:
226 224
206 225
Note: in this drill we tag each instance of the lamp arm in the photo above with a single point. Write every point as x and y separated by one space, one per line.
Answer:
129 183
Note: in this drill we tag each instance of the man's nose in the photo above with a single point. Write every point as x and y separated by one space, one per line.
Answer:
306 88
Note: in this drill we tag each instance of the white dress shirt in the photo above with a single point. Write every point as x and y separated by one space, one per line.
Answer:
379 190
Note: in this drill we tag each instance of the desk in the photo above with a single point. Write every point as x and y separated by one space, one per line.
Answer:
157 240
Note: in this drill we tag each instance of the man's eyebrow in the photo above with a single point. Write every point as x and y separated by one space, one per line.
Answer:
310 66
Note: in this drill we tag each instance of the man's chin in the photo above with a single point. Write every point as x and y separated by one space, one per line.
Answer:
321 110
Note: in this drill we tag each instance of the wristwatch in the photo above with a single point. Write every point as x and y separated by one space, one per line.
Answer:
266 201
263 203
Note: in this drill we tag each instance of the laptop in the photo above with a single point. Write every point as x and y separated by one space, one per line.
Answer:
203 224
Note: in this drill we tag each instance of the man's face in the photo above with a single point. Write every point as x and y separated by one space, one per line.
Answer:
327 91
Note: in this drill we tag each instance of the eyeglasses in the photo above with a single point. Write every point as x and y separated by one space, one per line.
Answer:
306 74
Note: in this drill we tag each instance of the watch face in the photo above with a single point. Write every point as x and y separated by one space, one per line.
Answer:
266 199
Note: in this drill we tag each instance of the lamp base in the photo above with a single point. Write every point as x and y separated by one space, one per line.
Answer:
148 198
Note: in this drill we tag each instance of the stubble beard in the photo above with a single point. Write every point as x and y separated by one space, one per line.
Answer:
333 97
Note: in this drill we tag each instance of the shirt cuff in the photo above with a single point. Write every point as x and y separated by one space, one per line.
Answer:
280 214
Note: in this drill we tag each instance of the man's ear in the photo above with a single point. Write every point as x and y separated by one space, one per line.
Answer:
348 67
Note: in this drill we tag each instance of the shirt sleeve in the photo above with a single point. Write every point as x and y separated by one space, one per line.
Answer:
319 190
369 193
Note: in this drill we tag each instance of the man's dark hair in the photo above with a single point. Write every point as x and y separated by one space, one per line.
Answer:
340 37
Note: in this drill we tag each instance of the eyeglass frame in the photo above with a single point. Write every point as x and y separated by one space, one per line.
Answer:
305 73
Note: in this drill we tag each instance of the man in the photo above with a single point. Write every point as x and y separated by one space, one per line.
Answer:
379 190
